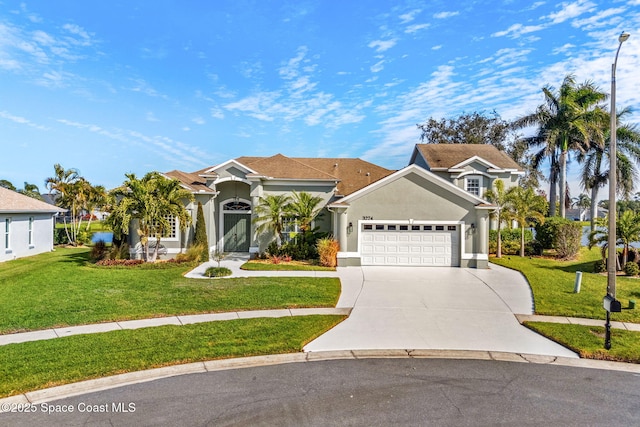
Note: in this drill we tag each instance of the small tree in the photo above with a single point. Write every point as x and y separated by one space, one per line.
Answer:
200 237
525 206
498 197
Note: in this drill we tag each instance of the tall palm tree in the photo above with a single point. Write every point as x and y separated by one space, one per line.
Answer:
304 208
525 206
593 177
152 200
96 199
498 197
569 120
271 212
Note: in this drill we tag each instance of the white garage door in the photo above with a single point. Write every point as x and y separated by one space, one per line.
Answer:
404 244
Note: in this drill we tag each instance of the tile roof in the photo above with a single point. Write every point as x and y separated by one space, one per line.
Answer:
190 180
284 167
13 202
352 173
448 155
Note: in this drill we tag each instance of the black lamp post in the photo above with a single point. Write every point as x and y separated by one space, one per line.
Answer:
610 303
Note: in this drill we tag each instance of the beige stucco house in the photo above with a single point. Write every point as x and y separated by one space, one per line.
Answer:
430 213
26 225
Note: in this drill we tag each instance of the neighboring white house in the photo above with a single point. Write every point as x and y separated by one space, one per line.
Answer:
26 225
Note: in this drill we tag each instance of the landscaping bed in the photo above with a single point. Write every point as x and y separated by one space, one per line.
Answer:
269 265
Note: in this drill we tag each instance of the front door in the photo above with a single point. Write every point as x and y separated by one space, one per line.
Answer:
236 232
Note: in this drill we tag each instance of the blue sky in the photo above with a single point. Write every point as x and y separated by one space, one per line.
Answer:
133 86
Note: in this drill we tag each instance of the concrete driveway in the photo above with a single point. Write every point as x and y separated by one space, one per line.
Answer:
435 308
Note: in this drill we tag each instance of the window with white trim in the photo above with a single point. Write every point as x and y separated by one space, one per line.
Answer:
473 186
290 229
31 231
7 230
172 231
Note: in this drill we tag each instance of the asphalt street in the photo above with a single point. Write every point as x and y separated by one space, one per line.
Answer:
366 392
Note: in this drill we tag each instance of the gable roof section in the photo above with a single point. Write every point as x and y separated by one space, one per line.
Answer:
191 181
13 202
429 176
446 156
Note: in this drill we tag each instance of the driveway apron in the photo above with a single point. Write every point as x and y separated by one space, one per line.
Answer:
439 308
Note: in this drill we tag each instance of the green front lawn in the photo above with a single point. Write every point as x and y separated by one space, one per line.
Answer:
62 289
552 283
40 364
588 341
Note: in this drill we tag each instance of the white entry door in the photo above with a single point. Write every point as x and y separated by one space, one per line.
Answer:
410 244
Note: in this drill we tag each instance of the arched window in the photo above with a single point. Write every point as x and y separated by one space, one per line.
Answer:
236 206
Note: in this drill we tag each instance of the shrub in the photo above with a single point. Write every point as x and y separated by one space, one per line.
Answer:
599 266
198 253
328 250
510 240
217 272
119 251
59 236
631 268
99 251
567 239
560 234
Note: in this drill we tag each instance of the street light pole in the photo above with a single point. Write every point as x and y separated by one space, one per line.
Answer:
612 253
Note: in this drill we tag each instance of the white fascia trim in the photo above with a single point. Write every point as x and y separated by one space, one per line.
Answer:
308 182
473 172
231 178
429 176
482 257
474 159
348 255
227 163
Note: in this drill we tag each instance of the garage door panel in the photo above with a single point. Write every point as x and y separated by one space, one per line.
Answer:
390 246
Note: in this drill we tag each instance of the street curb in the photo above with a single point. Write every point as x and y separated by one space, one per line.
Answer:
100 384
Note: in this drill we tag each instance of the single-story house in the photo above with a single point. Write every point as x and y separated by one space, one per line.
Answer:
26 225
430 213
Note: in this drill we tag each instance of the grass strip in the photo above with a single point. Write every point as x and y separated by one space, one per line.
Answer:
62 289
292 266
588 341
41 364
552 283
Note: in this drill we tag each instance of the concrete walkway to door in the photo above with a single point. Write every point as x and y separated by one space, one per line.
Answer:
436 308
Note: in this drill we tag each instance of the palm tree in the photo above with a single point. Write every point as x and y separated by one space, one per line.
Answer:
96 199
593 177
7 184
304 208
525 206
627 232
271 212
569 120
582 202
152 200
498 197
31 190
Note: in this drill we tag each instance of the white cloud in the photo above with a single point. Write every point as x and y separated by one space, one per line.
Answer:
21 120
382 45
151 117
570 10
198 120
516 30
377 67
608 17
410 16
415 28
437 47
444 15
